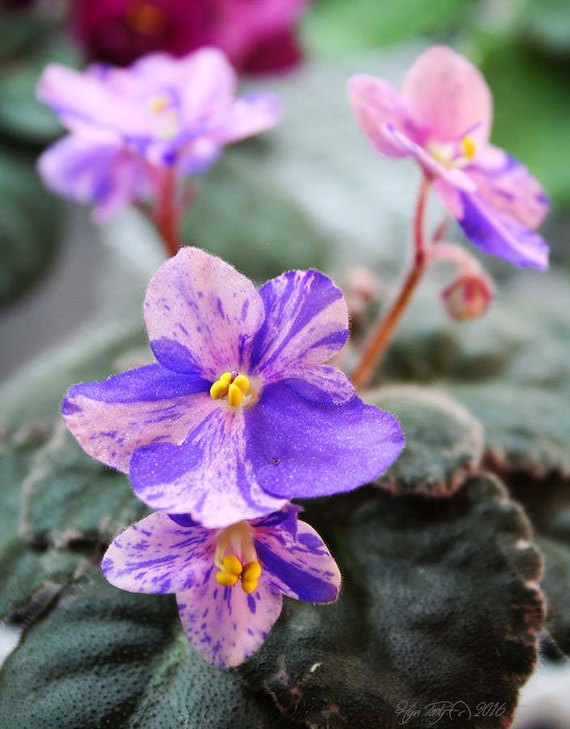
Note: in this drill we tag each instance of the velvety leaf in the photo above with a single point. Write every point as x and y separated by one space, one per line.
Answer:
106 658
440 603
444 442
526 430
29 224
252 223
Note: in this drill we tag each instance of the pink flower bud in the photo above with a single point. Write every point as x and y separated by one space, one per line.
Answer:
468 296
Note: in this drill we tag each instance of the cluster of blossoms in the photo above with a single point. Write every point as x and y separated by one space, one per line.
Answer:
136 133
239 415
258 36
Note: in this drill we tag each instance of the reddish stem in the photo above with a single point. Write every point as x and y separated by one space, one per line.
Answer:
166 215
386 325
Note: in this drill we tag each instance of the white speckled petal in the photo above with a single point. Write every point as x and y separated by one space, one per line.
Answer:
157 555
224 624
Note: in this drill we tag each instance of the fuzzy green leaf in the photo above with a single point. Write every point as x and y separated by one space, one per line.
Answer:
444 442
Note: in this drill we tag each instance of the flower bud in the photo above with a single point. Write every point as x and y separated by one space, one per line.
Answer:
468 296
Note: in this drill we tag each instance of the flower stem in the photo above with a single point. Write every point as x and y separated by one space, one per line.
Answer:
166 215
387 324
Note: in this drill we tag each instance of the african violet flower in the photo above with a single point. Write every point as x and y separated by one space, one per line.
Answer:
256 35
129 127
239 415
442 118
229 584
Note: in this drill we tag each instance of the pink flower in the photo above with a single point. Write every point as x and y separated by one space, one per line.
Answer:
257 35
442 118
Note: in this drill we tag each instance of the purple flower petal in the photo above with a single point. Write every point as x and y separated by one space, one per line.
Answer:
156 555
207 476
306 323
224 624
94 169
500 235
248 115
302 449
299 566
507 186
200 314
111 419
320 383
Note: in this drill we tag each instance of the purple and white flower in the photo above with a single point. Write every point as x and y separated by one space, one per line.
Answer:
230 583
442 118
131 126
239 414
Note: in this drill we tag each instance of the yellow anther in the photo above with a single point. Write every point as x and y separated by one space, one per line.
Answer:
249 586
468 147
218 389
251 571
226 579
226 378
243 383
232 565
159 103
235 395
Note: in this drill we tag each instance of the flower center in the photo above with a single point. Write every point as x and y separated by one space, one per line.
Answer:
233 387
236 558
164 106
456 154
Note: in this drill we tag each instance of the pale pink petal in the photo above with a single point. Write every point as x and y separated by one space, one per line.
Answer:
157 555
377 104
224 624
201 314
447 97
206 85
245 117
112 418
508 187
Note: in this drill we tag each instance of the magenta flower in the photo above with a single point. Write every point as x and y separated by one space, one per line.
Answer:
229 584
256 35
132 127
239 415
442 118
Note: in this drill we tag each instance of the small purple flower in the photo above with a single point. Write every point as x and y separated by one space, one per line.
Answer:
442 118
239 415
130 127
229 584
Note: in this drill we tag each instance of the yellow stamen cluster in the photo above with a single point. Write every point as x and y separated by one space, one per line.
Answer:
468 147
146 18
232 571
232 386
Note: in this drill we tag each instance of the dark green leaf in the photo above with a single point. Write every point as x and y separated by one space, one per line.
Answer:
105 658
440 604
444 442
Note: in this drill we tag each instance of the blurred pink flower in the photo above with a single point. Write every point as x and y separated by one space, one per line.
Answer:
257 35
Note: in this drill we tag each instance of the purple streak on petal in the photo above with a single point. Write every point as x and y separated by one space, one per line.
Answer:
507 186
156 555
221 624
304 449
182 306
321 384
285 518
112 418
184 520
306 322
205 477
298 565
500 235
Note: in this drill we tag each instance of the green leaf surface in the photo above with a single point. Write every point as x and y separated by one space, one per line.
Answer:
444 442
29 224
106 658
336 26
439 604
